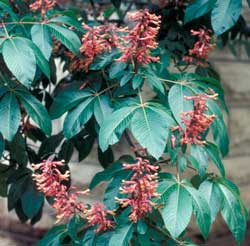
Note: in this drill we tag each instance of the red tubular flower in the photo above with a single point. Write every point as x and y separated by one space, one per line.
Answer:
142 38
97 40
66 203
196 121
199 53
49 178
141 188
42 5
97 216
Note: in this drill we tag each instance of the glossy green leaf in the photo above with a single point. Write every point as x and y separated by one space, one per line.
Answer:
114 125
53 237
201 210
71 22
117 69
41 61
137 81
150 126
178 104
113 190
20 60
199 153
219 128
42 38
36 111
121 236
67 37
77 117
10 116
212 195
164 189
66 100
197 9
225 14
182 163
214 155
102 108
232 213
177 211
32 201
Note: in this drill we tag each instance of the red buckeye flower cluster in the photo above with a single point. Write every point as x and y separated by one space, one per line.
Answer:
97 40
142 38
97 216
140 189
196 121
42 5
49 180
199 53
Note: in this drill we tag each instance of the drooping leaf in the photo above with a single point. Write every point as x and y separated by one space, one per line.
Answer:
225 14
36 111
150 126
114 125
122 236
67 37
10 116
212 194
201 210
77 117
137 81
197 9
178 104
177 211
42 38
54 236
66 100
117 70
199 153
71 22
214 155
20 60
219 128
102 108
32 201
232 213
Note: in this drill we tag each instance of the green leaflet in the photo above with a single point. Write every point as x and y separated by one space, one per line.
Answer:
41 61
197 9
114 126
66 37
178 104
66 100
77 117
177 211
199 153
36 111
151 129
232 213
201 210
225 14
218 127
20 60
121 236
211 193
42 38
63 19
214 155
102 108
10 116
32 201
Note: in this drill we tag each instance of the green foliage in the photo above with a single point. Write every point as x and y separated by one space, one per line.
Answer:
136 104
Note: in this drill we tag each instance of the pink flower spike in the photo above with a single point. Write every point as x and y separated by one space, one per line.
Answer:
140 189
97 216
